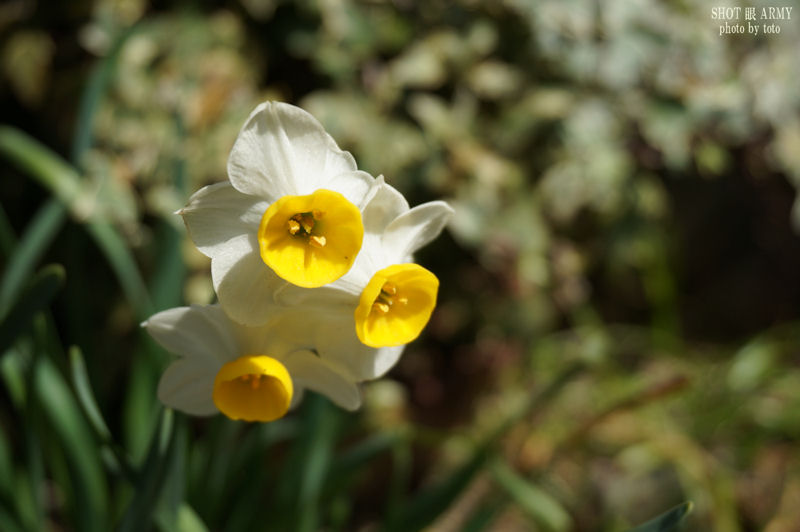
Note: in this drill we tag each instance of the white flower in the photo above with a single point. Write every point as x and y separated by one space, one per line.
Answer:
290 212
385 300
250 373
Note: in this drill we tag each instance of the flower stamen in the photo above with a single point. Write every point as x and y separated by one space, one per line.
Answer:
293 226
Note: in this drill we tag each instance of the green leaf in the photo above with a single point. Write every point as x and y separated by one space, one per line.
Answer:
39 234
322 425
7 237
123 264
483 516
357 457
666 522
80 379
537 503
166 283
83 460
187 521
6 467
35 298
119 461
7 521
93 94
141 510
65 183
50 170
431 502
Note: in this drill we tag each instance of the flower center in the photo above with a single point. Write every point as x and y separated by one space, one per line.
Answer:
387 298
302 225
311 240
253 388
395 305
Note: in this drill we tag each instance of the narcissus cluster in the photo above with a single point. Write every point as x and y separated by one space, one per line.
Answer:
312 263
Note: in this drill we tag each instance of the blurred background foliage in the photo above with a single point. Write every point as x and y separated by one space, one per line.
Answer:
618 322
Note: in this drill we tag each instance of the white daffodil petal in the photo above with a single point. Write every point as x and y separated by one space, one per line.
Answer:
244 284
282 150
343 292
187 385
217 213
327 330
197 333
312 372
415 228
355 186
384 206
333 336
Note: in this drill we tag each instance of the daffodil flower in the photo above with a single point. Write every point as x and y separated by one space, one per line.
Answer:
247 373
387 298
290 212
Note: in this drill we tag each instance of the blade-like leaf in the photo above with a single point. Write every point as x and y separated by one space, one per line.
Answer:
668 521
537 503
35 298
322 423
41 163
39 234
80 380
141 510
430 503
93 94
63 415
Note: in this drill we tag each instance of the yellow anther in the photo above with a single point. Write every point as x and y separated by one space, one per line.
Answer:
317 214
307 222
245 377
293 226
389 288
402 300
256 382
383 308
317 241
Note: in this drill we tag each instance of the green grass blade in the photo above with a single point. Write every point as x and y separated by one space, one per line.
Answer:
668 521
123 264
63 416
64 182
187 521
96 88
8 522
354 459
83 390
80 379
484 515
39 234
432 501
141 510
323 422
166 284
6 466
47 168
35 298
535 502
8 239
